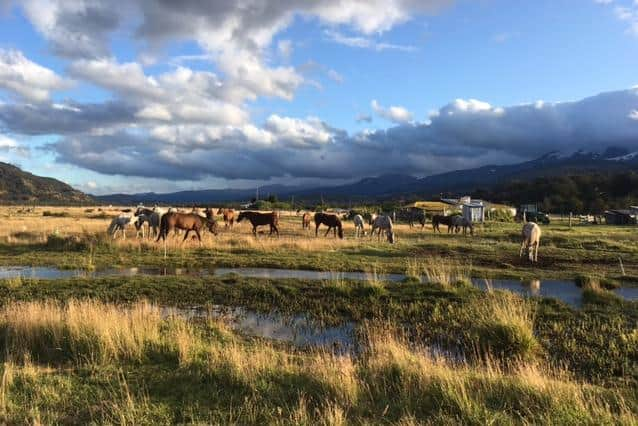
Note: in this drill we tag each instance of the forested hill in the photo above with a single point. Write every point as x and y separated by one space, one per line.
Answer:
20 187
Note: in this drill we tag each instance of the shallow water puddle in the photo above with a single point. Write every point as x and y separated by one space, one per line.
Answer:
567 291
298 330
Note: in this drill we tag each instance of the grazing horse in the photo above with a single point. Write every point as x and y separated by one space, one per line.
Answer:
261 219
358 225
332 221
119 223
305 220
459 222
411 215
229 217
152 220
186 221
383 223
438 219
531 233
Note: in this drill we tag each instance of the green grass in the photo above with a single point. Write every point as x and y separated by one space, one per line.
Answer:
597 342
166 371
493 253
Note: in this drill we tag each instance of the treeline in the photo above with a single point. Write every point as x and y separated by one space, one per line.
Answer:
579 194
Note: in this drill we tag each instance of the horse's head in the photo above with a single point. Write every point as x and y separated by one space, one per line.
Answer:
241 216
391 237
209 213
220 211
340 231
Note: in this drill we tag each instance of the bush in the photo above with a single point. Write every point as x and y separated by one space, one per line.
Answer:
48 213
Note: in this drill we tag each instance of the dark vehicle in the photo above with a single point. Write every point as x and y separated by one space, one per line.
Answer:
536 217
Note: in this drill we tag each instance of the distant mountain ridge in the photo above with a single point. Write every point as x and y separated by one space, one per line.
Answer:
390 186
20 187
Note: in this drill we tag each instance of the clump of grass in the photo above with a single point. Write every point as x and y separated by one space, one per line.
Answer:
79 331
502 325
444 272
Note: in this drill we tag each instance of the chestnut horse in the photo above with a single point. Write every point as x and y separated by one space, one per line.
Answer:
332 221
186 221
305 220
229 216
260 219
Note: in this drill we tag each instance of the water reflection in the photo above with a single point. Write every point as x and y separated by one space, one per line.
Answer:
567 291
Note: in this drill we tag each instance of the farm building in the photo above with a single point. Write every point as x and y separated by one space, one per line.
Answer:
472 210
620 217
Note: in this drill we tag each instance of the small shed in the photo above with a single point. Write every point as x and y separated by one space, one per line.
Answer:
620 217
474 212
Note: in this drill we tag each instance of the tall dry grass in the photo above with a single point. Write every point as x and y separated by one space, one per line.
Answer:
79 330
391 380
437 270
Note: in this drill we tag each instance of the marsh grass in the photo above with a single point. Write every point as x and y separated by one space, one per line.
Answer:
211 375
446 273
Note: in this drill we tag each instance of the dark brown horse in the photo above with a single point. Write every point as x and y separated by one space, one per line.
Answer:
438 219
229 216
332 221
261 219
305 220
186 221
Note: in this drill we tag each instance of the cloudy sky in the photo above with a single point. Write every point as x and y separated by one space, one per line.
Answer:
160 95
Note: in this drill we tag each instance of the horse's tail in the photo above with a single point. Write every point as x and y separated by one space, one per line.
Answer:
163 231
112 227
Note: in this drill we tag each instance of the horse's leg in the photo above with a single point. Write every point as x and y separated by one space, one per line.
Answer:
316 229
255 230
538 243
334 231
276 229
186 234
520 253
199 236
326 234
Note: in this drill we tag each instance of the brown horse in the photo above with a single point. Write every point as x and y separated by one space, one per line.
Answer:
305 220
229 216
332 221
186 221
261 219
438 219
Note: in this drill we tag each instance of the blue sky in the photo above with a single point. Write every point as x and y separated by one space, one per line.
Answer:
134 96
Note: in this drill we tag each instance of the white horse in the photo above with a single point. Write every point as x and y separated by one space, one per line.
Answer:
119 223
383 223
531 240
358 225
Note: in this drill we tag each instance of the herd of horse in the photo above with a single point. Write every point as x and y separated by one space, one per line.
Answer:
159 223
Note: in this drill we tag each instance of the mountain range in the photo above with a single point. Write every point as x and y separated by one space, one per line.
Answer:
392 186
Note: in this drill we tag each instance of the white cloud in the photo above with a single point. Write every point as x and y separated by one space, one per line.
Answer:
284 47
7 143
335 76
365 42
396 114
26 78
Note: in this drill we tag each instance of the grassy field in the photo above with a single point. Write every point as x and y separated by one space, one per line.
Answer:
75 238
117 350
